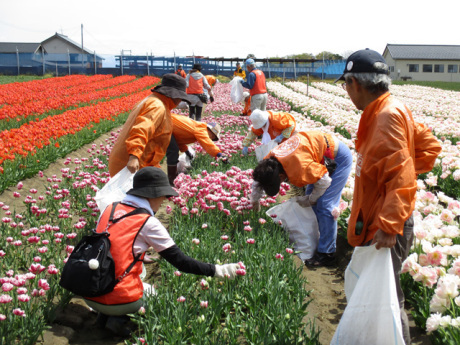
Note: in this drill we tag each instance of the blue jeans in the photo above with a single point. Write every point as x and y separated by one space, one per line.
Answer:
331 198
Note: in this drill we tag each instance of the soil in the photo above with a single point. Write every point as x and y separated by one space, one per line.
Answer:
76 323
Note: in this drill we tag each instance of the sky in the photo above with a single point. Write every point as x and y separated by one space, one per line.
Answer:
232 29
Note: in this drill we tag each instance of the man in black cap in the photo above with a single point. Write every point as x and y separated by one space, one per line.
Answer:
388 146
131 237
196 83
146 133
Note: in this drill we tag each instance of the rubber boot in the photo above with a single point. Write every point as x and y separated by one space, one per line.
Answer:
198 111
192 112
172 174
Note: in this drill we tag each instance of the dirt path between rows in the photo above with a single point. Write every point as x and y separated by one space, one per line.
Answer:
76 323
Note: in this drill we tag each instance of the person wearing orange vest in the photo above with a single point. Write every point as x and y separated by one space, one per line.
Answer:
256 85
131 237
239 72
391 149
247 104
196 83
271 126
185 132
303 160
181 72
145 135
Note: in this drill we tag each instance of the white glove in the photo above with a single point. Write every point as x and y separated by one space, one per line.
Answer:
303 201
226 271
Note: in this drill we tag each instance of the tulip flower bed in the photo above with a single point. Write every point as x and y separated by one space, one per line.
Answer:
33 145
432 279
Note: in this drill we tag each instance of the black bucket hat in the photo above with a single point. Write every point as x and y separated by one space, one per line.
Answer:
197 66
172 86
151 182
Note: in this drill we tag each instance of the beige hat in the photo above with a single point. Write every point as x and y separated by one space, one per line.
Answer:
258 118
215 128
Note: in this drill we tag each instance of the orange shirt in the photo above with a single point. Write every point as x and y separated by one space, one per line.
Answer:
187 131
278 122
247 107
181 72
385 183
301 157
145 134
195 87
211 80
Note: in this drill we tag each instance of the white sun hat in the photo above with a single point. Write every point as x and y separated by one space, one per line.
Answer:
258 118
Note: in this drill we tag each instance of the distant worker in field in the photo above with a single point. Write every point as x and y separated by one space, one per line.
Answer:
145 135
256 85
211 81
271 126
247 104
196 83
181 72
185 132
239 72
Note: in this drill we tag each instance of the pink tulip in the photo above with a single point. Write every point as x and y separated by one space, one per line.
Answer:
203 304
289 251
181 299
251 241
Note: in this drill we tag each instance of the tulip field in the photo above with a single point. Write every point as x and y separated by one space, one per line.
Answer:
211 219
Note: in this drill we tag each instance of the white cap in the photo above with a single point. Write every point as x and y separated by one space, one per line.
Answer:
258 118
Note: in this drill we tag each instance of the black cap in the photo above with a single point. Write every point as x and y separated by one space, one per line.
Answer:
151 182
363 61
197 66
172 86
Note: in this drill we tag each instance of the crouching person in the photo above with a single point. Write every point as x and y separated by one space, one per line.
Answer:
130 238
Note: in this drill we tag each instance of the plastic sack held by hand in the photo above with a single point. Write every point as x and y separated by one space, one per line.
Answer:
303 201
115 189
236 93
226 271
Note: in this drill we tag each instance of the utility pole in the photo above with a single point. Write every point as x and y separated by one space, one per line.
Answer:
82 46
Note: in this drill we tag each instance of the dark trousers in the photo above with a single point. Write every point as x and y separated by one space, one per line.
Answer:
172 152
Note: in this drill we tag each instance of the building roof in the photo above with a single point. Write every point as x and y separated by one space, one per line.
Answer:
67 39
423 52
10 47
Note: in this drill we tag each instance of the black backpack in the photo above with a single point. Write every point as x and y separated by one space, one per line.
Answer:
79 278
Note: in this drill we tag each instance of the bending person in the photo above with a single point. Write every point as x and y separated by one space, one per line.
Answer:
300 159
271 126
185 132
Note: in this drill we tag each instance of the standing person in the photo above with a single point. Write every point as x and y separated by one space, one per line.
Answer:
180 71
130 238
301 159
187 131
196 83
277 126
391 149
145 135
239 72
256 85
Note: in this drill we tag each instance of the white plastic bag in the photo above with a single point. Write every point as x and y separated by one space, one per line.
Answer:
372 315
185 163
115 189
263 150
301 224
236 94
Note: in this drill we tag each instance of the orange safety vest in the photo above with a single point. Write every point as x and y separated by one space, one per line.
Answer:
278 122
122 237
259 85
301 156
181 72
195 87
